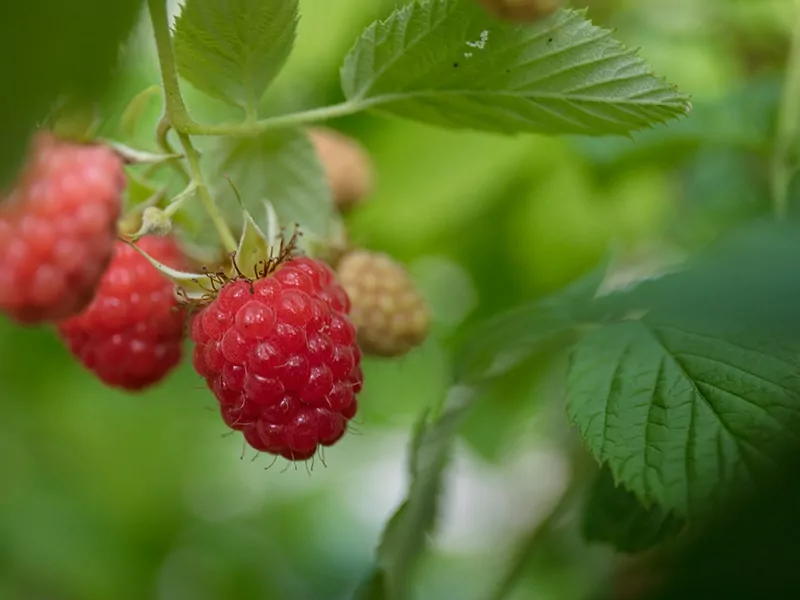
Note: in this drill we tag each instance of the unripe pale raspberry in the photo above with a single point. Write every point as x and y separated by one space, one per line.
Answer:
521 10
347 166
131 334
389 313
280 355
57 229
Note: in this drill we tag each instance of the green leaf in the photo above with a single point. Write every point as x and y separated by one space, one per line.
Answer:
684 414
233 49
46 57
742 119
746 279
448 63
279 167
404 537
613 515
504 342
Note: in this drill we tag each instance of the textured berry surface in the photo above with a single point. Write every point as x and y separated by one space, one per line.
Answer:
347 166
57 229
131 334
390 314
280 355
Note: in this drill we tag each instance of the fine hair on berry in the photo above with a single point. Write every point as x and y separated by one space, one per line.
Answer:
280 355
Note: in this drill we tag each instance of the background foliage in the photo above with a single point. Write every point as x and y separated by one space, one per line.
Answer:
112 496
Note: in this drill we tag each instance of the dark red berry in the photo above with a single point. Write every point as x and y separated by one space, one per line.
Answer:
131 334
280 355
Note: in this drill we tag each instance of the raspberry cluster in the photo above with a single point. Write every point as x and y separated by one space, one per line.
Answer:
131 334
57 229
279 352
281 356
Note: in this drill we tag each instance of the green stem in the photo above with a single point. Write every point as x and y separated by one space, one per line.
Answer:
256 127
193 158
175 106
179 119
788 125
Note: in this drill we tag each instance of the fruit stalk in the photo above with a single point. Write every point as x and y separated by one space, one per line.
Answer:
173 99
179 119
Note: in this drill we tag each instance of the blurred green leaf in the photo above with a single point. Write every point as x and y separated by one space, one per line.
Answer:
613 515
746 280
507 340
139 189
404 537
448 63
132 117
46 56
279 166
233 49
683 414
742 119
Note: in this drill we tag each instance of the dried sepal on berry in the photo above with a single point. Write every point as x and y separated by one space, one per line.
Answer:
522 10
390 314
347 165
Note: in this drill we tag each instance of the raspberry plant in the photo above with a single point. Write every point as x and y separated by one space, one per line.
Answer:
682 388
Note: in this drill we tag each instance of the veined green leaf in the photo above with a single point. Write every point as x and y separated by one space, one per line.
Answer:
233 49
279 167
448 63
684 416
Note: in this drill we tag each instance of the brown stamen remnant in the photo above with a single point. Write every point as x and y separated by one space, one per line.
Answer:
216 280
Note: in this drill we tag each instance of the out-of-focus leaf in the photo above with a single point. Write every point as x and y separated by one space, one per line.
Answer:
403 539
52 48
507 340
613 515
741 120
447 62
747 280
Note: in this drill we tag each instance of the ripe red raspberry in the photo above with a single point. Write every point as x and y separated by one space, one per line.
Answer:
130 336
57 229
280 355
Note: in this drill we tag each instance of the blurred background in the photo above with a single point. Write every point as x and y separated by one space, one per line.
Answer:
106 495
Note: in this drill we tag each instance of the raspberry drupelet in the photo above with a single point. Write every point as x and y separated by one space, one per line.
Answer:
280 355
